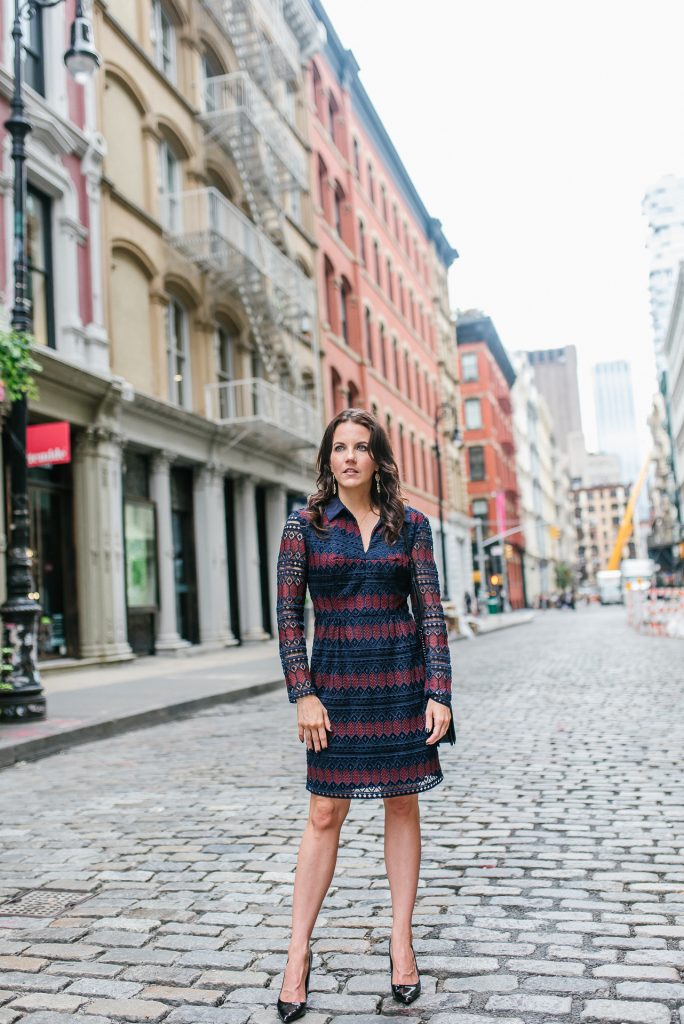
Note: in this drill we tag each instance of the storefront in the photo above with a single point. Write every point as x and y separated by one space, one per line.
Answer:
140 541
50 487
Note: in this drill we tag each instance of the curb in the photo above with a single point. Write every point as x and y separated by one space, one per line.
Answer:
44 746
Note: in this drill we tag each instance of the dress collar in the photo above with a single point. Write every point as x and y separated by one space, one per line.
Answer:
335 505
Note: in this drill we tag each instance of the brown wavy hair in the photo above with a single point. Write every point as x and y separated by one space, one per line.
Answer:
387 497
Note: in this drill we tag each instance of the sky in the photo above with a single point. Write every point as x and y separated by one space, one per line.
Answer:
532 129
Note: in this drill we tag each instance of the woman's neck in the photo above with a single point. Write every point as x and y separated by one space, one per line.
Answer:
356 501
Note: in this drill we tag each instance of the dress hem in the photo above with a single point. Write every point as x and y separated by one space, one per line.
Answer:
358 794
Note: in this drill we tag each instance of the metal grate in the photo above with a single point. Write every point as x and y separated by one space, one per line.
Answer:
42 903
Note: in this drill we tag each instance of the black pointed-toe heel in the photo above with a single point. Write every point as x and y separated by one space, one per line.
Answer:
293 1011
405 994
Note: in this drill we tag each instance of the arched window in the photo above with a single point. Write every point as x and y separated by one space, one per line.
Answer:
414 467
376 255
338 195
170 187
407 372
390 283
212 70
383 351
368 335
164 39
374 409
357 159
227 336
329 273
427 393
333 111
318 96
371 183
362 243
401 452
424 465
338 397
323 185
178 354
401 295
383 202
345 293
419 397
412 309
395 350
395 212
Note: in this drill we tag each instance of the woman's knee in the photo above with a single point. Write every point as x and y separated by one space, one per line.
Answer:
326 814
402 806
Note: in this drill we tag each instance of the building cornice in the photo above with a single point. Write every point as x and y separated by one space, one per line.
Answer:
56 132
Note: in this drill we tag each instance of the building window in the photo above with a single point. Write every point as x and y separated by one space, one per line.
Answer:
407 372
476 461
178 354
395 351
164 40
332 117
211 72
39 266
469 368
362 243
390 285
419 390
473 414
401 295
339 200
383 202
383 352
376 255
329 275
170 187
368 333
371 183
322 185
414 465
345 292
226 338
34 54
423 459
357 159
412 308
395 212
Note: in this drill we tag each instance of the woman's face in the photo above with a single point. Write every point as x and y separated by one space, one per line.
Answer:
350 459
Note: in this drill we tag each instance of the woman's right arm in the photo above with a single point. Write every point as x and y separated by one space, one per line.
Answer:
292 580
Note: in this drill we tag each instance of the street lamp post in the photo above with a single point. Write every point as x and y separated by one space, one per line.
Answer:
441 411
21 694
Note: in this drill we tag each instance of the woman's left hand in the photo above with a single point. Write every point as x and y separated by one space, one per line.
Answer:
437 718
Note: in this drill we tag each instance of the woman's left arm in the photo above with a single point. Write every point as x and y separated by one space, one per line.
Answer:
437 657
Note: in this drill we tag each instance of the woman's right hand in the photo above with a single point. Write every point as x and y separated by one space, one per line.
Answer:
312 722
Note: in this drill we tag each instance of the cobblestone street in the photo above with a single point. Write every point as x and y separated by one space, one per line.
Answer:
552 887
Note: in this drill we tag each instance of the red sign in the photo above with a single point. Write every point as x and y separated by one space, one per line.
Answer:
48 444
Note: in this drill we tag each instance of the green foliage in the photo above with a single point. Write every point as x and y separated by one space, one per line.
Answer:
564 579
17 365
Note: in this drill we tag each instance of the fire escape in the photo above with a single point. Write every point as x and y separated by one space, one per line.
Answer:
249 256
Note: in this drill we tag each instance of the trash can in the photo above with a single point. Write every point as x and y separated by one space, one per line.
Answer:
493 605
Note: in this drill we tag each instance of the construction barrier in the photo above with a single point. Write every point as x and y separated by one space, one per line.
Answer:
657 612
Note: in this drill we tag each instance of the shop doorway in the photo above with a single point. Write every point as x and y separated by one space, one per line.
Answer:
54 560
184 562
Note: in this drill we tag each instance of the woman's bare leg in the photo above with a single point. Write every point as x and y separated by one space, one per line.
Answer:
315 869
402 861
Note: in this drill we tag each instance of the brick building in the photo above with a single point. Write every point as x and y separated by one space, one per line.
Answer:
487 376
386 333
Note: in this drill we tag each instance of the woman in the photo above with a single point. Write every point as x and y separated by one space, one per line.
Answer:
372 708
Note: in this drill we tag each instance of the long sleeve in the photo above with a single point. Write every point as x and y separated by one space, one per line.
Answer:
437 657
292 578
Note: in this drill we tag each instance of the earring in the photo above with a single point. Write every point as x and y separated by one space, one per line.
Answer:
377 480
334 485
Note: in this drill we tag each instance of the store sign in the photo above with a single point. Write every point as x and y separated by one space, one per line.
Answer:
48 444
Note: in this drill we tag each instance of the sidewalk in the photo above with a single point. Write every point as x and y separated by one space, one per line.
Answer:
86 704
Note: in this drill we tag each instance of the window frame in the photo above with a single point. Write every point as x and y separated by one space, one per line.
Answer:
179 390
165 58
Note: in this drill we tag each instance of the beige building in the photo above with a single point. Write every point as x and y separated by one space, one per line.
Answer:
599 511
209 304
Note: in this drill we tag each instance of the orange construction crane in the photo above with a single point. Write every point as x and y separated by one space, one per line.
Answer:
625 529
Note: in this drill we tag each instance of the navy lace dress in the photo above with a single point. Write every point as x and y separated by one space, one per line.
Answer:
367 666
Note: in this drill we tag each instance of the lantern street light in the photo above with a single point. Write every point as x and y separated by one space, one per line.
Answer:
443 410
21 694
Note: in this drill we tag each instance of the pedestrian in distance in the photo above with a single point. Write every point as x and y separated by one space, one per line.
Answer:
376 700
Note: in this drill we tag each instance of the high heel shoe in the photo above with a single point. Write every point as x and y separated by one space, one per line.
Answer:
293 1011
405 994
